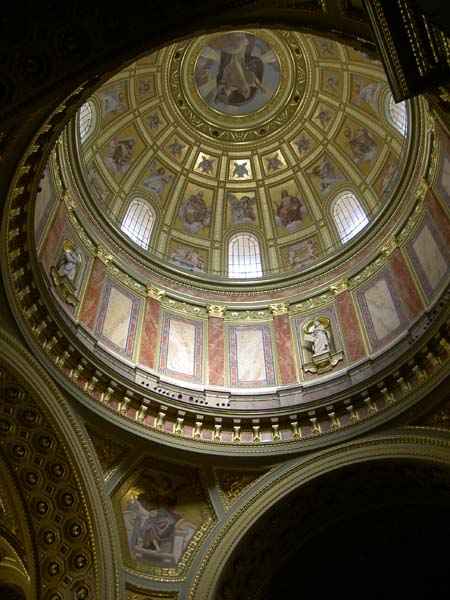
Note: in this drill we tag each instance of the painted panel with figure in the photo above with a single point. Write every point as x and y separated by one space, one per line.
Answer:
430 258
194 211
188 257
181 348
251 361
160 509
382 310
121 151
237 73
289 207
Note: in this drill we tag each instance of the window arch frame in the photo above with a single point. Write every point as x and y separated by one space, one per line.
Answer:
144 232
392 111
92 117
346 225
237 269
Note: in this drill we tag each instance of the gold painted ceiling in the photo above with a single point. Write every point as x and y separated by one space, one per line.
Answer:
243 132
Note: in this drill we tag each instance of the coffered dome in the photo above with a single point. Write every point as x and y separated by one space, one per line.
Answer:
245 154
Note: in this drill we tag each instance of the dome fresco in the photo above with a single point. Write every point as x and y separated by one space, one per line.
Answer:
262 149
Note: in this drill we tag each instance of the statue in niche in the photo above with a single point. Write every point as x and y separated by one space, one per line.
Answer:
320 337
317 336
65 272
70 261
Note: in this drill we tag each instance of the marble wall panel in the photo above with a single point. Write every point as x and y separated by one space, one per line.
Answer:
405 283
117 319
150 333
430 258
45 201
216 355
285 349
250 356
181 348
51 243
88 313
443 168
351 330
383 315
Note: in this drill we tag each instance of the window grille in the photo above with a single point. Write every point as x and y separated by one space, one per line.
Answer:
349 216
138 222
397 114
85 120
244 257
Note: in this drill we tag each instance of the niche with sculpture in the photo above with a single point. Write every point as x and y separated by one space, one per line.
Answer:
319 345
65 273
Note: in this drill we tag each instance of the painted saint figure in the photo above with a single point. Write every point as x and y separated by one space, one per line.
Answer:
157 180
194 213
240 72
241 209
289 211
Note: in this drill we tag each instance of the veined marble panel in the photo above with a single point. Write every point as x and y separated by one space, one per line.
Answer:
250 356
181 348
430 258
383 314
117 319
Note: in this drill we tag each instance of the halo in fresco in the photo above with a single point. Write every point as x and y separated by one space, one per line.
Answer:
237 73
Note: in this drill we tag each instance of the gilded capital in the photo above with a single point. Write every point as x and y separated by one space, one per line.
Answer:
422 189
339 287
214 310
102 254
68 199
279 309
390 245
155 293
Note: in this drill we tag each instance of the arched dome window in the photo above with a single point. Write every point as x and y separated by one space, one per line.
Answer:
86 120
244 256
396 114
138 222
348 214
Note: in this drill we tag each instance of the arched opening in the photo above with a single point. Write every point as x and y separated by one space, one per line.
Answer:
138 222
244 256
349 216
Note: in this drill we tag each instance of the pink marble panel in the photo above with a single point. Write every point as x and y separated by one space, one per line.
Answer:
405 283
285 349
216 351
51 242
439 217
150 333
350 326
92 296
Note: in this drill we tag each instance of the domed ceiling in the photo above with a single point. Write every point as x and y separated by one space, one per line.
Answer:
247 132
287 141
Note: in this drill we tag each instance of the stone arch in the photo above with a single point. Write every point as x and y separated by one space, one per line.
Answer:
233 560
